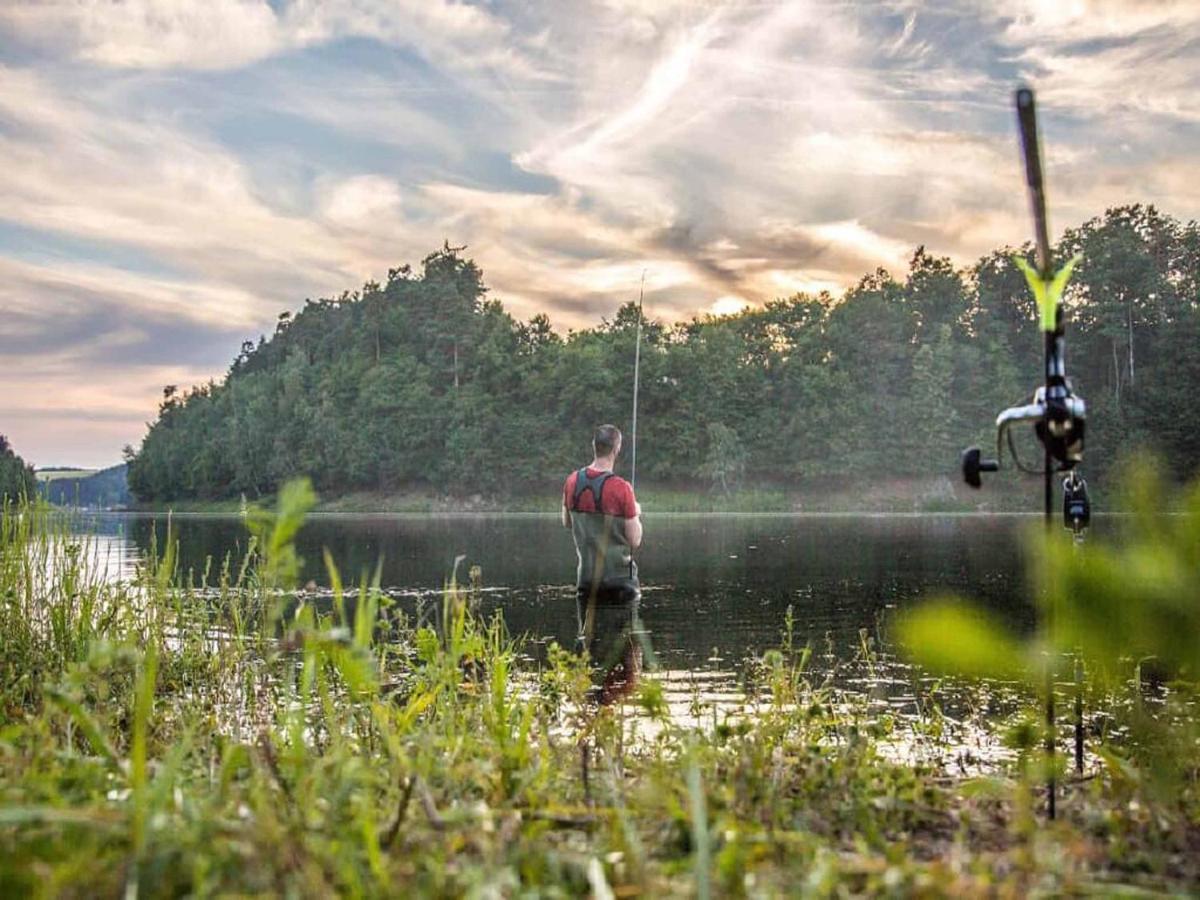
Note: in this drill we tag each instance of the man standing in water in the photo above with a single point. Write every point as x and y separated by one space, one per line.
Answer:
605 521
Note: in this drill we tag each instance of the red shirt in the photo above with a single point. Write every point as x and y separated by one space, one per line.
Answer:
615 500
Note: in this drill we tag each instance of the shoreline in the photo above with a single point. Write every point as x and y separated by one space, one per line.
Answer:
928 496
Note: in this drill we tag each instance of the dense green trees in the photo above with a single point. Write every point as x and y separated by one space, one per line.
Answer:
425 381
16 478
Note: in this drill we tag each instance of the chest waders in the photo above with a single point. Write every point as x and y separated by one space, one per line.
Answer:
606 568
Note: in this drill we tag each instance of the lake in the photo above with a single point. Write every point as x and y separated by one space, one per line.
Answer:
716 586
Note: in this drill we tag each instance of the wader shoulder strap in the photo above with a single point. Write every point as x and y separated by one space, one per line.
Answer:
585 483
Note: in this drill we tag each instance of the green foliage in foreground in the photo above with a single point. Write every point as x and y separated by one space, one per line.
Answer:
422 382
1117 608
233 737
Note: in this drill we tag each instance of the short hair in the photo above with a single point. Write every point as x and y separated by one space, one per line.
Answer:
606 439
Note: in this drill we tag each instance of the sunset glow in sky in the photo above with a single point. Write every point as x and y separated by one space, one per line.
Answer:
176 173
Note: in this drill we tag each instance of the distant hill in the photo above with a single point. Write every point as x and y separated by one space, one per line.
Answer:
105 489
53 473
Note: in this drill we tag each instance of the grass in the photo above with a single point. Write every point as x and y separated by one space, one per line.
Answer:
229 736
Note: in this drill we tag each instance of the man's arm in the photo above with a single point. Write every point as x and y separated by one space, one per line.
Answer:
566 515
633 527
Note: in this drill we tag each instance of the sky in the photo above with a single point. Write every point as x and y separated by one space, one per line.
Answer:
176 173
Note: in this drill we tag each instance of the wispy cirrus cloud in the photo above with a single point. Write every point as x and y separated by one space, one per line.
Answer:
219 34
177 173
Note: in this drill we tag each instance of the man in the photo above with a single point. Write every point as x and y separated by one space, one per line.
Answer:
605 521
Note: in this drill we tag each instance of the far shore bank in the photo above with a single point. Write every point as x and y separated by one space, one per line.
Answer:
917 495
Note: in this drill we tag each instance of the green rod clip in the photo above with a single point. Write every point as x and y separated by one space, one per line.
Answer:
1047 291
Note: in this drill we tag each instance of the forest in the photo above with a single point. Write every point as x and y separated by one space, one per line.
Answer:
16 478
426 381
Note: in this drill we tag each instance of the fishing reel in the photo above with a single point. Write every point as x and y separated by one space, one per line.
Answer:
1059 420
1077 506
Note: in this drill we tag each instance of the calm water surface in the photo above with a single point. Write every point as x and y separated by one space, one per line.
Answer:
716 587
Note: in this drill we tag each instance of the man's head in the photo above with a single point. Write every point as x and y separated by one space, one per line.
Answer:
606 441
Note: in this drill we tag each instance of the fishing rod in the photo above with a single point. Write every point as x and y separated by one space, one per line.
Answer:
1057 413
637 377
637 372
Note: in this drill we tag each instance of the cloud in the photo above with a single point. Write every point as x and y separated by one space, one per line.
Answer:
1107 59
86 350
149 34
186 171
52 418
539 254
361 201
727 305
74 170
90 314
1034 21
218 34
181 199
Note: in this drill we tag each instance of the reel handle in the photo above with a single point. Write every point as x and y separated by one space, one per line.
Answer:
973 465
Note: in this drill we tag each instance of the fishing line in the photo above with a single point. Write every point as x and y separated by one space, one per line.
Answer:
637 371
637 377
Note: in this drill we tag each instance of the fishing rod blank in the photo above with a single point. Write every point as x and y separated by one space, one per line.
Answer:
1031 150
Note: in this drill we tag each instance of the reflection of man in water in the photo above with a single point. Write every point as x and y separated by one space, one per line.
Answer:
615 647
604 517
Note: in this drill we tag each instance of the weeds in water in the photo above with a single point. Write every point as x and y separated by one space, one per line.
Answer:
172 735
